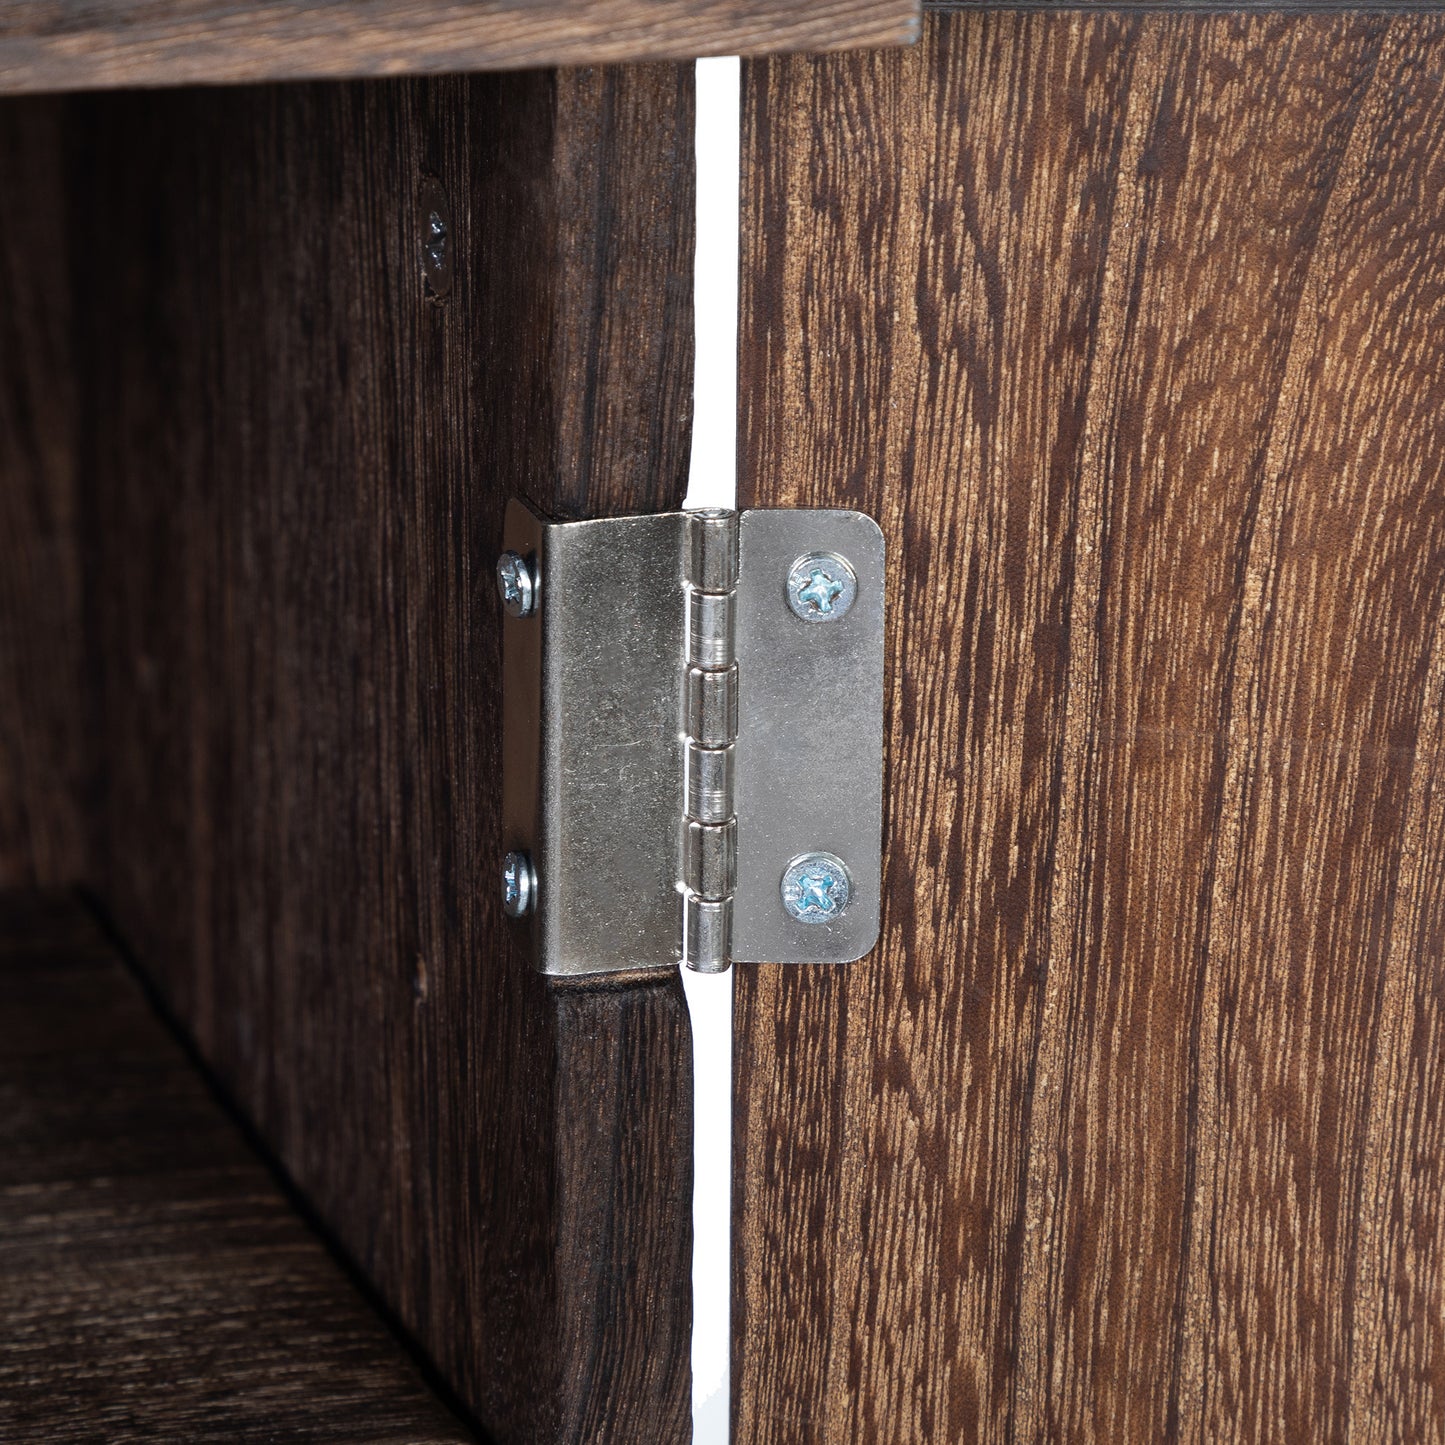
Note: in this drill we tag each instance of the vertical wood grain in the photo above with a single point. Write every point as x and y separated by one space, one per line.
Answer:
41 743
295 463
1124 327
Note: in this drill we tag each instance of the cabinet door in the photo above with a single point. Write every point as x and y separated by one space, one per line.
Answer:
1127 328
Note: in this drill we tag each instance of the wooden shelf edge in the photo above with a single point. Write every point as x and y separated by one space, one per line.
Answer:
126 43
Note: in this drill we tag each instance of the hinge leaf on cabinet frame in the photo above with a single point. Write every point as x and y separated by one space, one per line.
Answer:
692 738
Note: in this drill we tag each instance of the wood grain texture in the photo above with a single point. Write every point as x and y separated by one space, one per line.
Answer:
293 478
41 717
154 1283
89 44
1126 328
1242 7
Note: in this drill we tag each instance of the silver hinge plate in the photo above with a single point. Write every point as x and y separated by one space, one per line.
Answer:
693 738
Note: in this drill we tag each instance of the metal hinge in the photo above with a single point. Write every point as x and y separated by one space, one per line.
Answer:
693 738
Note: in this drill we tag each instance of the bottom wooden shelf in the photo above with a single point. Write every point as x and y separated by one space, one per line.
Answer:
154 1281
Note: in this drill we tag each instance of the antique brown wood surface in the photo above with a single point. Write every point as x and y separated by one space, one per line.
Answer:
154 1282
1128 330
293 469
41 718
86 44
1314 7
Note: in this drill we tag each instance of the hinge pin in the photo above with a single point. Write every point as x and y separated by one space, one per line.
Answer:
710 852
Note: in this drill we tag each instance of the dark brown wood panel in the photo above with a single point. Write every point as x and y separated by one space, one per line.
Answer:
1127 329
1267 7
89 44
41 718
294 467
154 1282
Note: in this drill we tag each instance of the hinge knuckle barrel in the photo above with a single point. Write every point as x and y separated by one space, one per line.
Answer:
712 550
710 629
709 783
712 705
711 859
710 721
707 934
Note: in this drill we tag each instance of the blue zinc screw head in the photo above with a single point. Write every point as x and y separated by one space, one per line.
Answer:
516 585
519 885
816 888
821 587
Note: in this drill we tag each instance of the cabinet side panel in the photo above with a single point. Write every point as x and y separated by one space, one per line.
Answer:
41 715
296 464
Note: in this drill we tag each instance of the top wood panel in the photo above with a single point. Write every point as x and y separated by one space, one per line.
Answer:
70 45
1127 329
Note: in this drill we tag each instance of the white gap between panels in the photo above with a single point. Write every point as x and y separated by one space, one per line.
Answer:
712 482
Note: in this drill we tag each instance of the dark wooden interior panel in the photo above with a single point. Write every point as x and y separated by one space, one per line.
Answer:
290 465
1127 329
41 718
87 44
154 1282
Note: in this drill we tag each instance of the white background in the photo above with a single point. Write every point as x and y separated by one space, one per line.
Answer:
712 482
